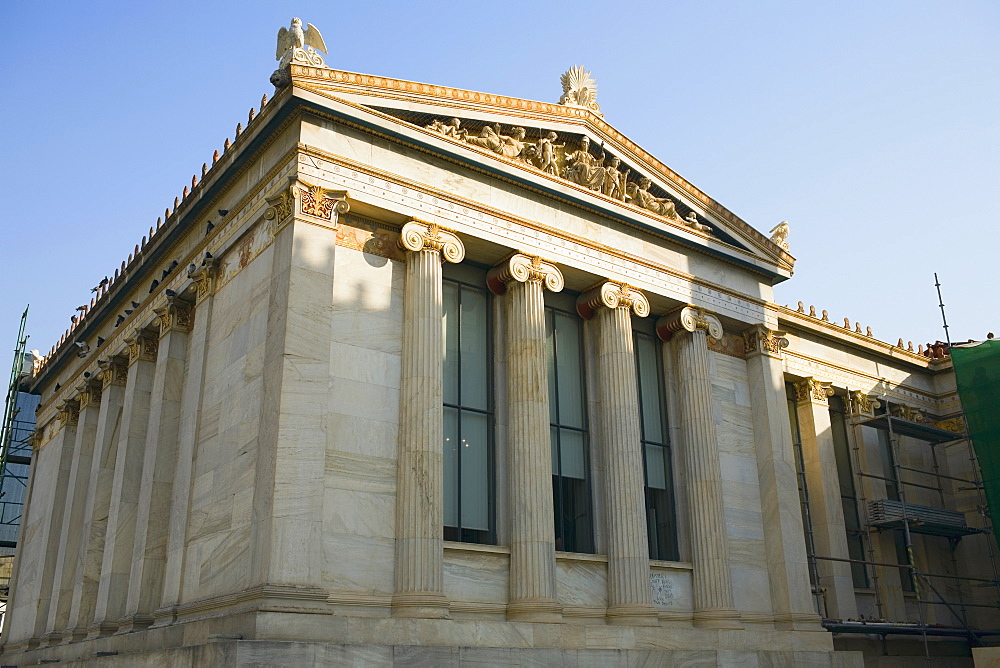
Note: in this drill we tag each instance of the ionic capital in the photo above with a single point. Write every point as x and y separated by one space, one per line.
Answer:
321 202
810 390
905 412
113 371
176 316
416 236
89 393
759 340
524 268
142 346
691 319
69 412
861 404
612 295
204 278
314 200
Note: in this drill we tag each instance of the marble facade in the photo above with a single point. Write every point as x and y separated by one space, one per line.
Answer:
264 462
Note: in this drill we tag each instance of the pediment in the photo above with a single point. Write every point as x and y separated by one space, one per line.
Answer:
570 147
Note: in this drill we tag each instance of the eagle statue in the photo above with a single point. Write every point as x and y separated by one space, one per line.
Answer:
294 43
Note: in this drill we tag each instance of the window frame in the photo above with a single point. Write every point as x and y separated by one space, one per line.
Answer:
672 550
556 429
457 533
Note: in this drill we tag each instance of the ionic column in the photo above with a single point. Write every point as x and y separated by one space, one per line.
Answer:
187 435
522 279
611 306
419 585
120 540
89 398
689 328
90 555
825 510
787 566
145 583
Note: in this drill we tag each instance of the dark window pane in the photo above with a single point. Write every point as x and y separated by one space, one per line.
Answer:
468 431
567 408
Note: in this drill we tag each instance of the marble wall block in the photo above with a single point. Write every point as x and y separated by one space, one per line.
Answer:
472 576
362 414
741 485
226 449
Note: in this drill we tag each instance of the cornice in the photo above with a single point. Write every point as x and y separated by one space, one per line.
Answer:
220 236
833 331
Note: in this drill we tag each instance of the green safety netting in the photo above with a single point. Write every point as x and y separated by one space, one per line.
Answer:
977 372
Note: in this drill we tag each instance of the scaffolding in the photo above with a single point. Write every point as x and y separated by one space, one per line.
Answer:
15 455
878 515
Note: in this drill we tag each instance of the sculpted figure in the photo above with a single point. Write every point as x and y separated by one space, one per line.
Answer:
640 195
779 234
454 129
692 221
582 167
488 138
613 183
546 153
435 126
294 43
513 146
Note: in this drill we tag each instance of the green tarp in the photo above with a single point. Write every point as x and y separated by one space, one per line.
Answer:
977 372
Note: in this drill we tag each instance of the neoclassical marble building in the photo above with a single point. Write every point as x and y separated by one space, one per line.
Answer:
419 374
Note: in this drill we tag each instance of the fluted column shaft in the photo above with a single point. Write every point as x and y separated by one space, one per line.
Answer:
102 471
145 584
712 582
46 520
89 398
620 433
532 542
120 539
419 585
187 435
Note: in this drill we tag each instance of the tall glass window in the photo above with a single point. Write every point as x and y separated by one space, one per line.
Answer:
661 515
848 493
468 414
568 418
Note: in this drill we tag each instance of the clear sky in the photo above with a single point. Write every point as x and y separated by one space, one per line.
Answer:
872 127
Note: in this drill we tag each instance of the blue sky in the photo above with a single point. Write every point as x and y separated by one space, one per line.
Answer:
872 127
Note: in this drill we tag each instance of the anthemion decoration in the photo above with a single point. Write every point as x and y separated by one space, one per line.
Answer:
419 375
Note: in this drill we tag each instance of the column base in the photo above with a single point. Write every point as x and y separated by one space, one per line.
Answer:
102 629
75 634
632 615
50 639
164 617
798 621
717 618
424 605
544 610
137 622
